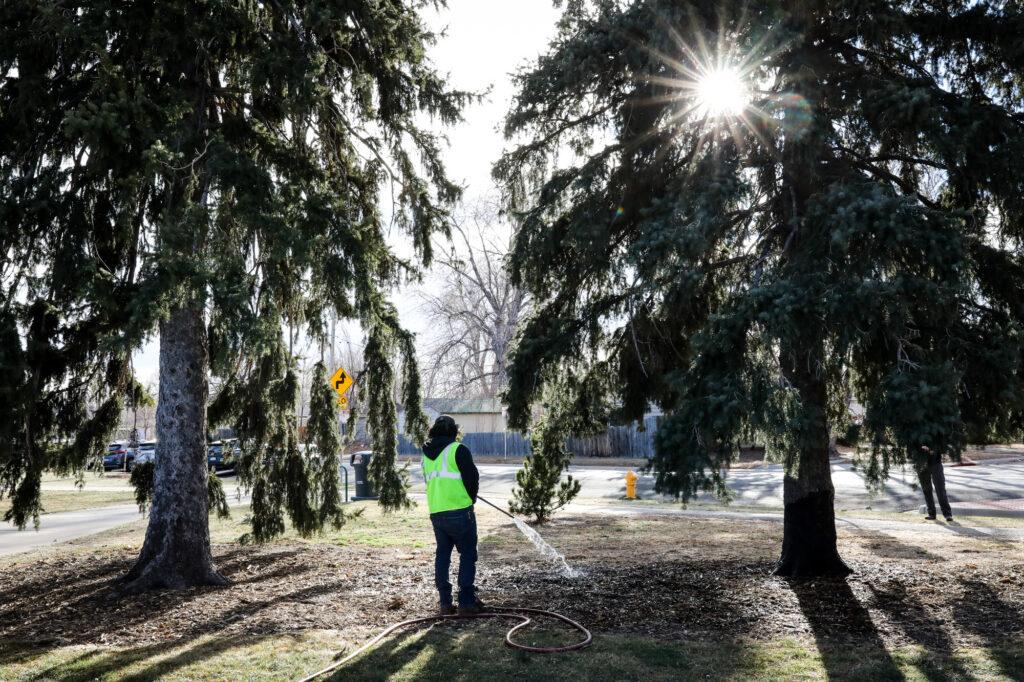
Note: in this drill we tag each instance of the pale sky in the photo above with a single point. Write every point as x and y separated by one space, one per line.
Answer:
485 42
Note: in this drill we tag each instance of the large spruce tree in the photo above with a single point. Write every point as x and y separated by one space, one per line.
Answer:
223 172
854 229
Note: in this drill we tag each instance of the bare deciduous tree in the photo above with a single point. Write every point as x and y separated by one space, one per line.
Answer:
474 317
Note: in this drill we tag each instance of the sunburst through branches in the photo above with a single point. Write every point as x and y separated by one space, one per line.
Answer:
721 92
721 85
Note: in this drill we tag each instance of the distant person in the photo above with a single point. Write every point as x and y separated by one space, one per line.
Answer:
929 473
452 484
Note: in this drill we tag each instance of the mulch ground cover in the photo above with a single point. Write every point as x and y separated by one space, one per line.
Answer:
670 579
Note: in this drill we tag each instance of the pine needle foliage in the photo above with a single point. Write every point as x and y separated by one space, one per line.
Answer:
227 157
387 341
539 489
322 432
856 232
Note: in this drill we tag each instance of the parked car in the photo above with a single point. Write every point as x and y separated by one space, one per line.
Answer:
222 454
146 453
119 456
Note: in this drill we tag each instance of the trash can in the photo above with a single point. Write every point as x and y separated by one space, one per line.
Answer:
360 465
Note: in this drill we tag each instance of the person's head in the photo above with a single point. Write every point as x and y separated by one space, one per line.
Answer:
444 427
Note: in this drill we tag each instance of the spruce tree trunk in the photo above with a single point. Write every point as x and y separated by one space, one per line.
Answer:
809 522
176 552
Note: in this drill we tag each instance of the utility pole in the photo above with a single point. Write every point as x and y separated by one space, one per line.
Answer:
334 328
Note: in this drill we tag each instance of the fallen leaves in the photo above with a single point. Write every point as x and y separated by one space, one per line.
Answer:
666 580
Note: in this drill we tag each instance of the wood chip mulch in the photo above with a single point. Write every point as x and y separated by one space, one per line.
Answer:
72 598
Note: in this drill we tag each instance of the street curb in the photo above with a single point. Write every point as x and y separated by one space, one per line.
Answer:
1014 534
999 460
980 511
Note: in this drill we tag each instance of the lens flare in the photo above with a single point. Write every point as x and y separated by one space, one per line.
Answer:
721 92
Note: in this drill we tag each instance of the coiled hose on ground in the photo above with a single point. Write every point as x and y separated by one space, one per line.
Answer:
491 612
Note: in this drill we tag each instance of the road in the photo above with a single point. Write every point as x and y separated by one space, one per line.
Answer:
763 486
751 487
64 526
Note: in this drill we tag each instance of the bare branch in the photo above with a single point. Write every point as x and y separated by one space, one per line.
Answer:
478 310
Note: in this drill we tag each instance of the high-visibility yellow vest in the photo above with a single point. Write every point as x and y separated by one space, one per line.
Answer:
445 489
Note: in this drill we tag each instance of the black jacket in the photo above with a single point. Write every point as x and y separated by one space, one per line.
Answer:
470 476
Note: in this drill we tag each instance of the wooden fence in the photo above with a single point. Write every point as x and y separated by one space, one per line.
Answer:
617 441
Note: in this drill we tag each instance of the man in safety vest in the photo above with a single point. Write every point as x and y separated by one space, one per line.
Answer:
452 484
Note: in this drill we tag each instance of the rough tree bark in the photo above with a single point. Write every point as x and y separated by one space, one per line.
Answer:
176 551
809 522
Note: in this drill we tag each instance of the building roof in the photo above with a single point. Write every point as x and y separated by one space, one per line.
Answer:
463 405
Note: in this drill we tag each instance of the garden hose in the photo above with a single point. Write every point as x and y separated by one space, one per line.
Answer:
491 612
496 507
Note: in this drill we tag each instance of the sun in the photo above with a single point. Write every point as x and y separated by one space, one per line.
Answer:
721 92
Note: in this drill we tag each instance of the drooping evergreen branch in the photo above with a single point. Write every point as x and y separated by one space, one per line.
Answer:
231 155
875 186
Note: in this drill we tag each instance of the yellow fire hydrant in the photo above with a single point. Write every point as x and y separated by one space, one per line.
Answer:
631 485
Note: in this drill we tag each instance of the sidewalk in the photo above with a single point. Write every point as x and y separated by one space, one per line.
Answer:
1013 508
995 533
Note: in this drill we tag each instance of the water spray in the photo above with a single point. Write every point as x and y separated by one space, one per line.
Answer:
492 611
540 543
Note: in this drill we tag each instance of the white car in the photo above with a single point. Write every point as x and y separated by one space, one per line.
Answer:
146 452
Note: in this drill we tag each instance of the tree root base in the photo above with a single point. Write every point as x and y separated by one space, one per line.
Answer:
809 539
154 577
833 567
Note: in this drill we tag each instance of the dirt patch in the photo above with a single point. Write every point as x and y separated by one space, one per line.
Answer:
668 578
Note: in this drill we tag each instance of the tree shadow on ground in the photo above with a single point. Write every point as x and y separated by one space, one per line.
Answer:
918 624
983 613
976 534
888 547
474 651
81 603
23 654
659 598
95 575
150 662
837 618
389 657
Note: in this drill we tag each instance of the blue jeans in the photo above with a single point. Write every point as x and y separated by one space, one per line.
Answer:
456 529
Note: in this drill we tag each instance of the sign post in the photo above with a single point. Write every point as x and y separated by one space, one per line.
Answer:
341 381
